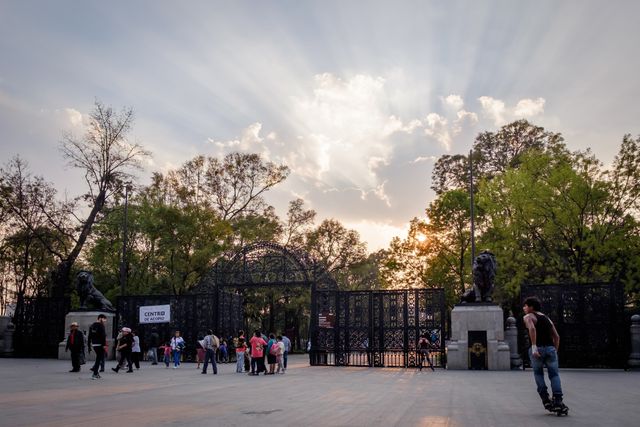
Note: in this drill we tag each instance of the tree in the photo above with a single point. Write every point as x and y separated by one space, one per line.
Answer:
335 246
493 153
233 186
297 224
107 159
28 241
403 264
560 218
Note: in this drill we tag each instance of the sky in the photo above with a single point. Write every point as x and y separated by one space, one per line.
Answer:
358 98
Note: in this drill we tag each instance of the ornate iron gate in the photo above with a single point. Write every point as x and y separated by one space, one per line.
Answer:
589 319
40 326
192 315
377 328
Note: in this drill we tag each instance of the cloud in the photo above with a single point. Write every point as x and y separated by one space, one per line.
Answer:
496 110
74 116
420 159
529 107
346 131
249 141
453 101
342 134
437 127
464 118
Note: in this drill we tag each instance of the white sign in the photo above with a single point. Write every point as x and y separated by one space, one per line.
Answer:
155 314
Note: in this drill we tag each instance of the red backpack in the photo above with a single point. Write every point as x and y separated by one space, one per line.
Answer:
274 349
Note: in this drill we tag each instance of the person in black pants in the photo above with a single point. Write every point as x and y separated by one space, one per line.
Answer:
98 343
125 346
75 343
154 343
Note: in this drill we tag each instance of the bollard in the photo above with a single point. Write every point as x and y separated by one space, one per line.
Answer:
511 337
7 336
634 357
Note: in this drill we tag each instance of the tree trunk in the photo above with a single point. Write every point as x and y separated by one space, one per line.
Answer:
62 275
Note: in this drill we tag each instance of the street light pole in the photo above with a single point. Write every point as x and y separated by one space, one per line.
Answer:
123 263
473 230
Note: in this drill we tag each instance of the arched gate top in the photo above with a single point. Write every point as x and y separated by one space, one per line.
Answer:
263 264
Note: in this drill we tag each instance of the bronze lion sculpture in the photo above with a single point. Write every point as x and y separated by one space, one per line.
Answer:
89 294
484 274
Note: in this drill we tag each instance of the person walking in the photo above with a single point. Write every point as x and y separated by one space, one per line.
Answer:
154 342
287 349
125 345
75 344
280 355
241 348
545 342
211 344
257 351
97 341
166 353
136 350
271 353
223 350
177 346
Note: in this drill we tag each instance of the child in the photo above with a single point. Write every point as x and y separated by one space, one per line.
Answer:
166 350
224 357
241 348
247 359
280 355
199 353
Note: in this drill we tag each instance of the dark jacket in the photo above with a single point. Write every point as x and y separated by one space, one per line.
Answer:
127 342
154 339
78 342
97 335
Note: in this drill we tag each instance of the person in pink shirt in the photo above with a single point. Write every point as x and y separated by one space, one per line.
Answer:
257 351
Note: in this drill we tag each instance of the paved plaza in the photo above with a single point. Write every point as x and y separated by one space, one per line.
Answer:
42 392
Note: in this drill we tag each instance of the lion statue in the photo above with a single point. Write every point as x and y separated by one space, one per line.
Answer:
89 294
484 274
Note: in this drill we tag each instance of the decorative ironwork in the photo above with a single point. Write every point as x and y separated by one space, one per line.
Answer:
40 326
192 315
266 264
376 328
589 319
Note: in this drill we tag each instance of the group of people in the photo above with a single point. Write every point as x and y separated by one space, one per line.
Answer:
252 355
275 351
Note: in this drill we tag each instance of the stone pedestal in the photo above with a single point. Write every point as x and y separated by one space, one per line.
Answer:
511 337
481 319
85 319
634 357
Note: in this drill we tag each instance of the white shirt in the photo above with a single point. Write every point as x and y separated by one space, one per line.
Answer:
136 345
287 344
175 342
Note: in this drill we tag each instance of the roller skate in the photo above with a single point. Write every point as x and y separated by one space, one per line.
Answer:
559 408
546 402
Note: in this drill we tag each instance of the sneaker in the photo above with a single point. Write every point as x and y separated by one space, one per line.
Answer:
98 376
115 370
94 377
102 370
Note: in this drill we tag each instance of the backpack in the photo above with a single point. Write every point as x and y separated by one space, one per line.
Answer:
274 349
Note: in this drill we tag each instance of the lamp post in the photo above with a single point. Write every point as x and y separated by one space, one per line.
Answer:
123 263
473 230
